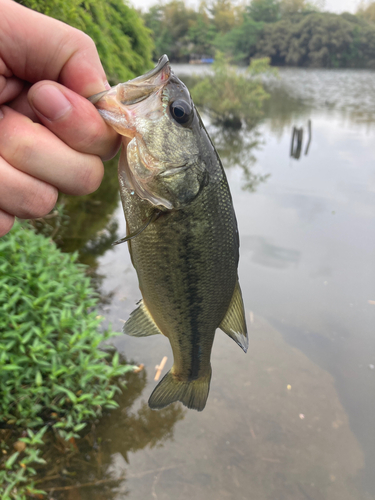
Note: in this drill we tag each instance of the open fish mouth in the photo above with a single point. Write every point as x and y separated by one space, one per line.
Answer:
138 89
120 105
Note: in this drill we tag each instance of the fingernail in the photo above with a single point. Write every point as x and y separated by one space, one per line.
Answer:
50 102
107 85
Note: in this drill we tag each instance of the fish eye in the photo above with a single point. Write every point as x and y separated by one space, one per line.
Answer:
181 111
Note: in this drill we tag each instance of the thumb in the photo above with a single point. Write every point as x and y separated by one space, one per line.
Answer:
73 119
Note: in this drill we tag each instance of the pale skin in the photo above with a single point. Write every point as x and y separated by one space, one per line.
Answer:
51 138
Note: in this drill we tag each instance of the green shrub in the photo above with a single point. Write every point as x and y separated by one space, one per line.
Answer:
231 97
51 368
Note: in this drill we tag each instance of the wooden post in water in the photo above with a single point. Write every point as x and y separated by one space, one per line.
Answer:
297 140
309 139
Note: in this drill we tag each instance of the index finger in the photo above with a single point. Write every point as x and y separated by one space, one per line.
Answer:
35 47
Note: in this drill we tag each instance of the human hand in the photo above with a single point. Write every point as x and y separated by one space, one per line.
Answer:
51 137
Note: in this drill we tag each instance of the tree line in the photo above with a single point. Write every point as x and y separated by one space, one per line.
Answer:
289 32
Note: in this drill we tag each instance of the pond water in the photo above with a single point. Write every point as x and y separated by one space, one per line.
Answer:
294 418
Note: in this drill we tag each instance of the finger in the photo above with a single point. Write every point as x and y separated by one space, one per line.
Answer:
73 119
22 195
69 57
4 70
6 222
35 150
21 104
10 88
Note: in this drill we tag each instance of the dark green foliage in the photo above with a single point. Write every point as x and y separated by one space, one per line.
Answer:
51 368
319 40
49 338
290 32
170 24
267 11
240 43
123 42
202 36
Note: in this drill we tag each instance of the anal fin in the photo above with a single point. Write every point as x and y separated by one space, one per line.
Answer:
234 323
140 323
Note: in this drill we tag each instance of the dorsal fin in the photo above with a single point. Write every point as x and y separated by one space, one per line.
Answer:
140 323
234 323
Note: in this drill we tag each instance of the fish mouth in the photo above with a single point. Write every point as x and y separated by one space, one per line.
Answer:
163 61
113 104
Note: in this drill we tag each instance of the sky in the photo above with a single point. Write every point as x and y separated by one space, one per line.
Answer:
330 5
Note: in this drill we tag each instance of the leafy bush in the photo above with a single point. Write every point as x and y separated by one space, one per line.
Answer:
231 97
51 368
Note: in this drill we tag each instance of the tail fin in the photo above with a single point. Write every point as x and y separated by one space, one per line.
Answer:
191 394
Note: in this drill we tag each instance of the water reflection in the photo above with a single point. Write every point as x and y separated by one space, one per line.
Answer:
283 110
351 90
91 229
267 254
273 428
95 467
236 148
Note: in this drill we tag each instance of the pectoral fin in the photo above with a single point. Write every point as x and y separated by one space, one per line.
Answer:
141 323
234 323
155 214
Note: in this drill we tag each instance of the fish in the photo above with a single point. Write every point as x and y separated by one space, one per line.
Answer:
182 231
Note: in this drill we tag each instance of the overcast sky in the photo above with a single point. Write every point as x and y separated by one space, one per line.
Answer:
331 5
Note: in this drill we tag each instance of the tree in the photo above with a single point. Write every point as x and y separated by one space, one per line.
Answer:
225 15
290 32
267 11
240 43
319 40
170 24
295 6
201 35
367 11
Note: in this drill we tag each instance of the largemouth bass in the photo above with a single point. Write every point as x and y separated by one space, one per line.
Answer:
181 227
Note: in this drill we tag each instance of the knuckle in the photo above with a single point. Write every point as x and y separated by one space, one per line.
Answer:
89 42
6 223
82 40
21 150
40 203
19 146
89 177
92 139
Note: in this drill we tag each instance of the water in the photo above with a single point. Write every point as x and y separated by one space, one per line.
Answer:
294 418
